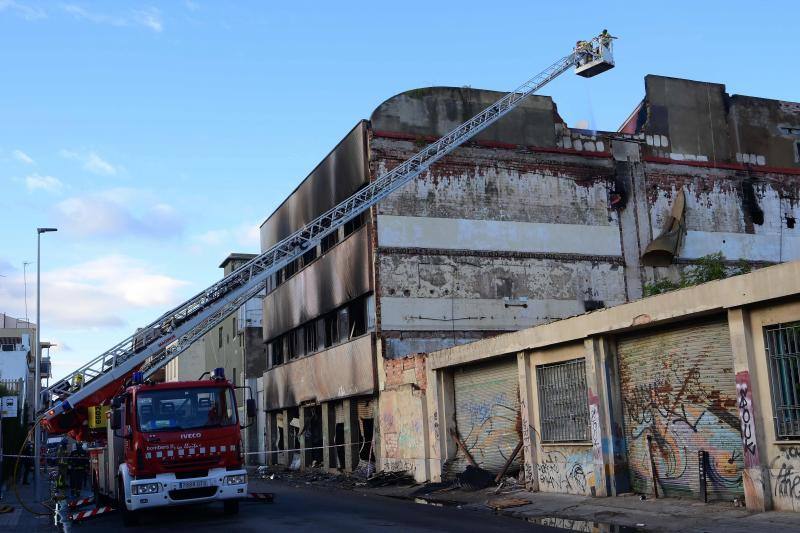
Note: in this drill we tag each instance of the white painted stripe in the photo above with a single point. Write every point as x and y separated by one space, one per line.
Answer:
734 246
429 314
465 234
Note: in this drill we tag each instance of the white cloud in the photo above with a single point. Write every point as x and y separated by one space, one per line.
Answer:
149 17
95 293
22 157
191 6
242 238
23 10
119 212
46 183
91 162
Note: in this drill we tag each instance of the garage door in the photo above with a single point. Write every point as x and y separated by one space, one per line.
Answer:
678 388
487 414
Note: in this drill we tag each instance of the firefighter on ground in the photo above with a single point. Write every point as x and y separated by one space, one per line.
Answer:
27 461
78 464
62 460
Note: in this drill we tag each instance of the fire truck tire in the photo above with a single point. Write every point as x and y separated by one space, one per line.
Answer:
129 518
231 507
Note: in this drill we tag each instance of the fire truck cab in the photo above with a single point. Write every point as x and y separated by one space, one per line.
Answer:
172 443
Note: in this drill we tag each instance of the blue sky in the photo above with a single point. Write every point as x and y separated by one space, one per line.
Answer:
157 135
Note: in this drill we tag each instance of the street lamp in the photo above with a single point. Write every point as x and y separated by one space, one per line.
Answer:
37 386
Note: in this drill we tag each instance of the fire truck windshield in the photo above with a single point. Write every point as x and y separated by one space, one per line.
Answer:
163 410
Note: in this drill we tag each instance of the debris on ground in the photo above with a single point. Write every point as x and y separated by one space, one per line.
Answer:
505 503
384 479
474 478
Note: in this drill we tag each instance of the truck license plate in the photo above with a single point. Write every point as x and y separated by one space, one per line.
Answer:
193 484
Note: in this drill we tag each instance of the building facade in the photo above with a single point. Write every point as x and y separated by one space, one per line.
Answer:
17 359
693 391
530 223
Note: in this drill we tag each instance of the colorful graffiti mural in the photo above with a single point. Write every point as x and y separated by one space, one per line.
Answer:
569 470
683 397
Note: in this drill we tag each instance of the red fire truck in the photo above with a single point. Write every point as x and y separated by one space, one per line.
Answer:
172 443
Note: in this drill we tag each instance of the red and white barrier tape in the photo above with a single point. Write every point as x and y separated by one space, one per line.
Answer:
83 515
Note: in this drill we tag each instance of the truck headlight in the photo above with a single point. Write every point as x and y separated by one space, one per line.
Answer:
145 488
238 479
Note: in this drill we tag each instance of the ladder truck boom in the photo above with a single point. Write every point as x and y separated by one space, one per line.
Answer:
154 346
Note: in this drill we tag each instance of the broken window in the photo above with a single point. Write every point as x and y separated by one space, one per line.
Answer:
358 317
329 241
309 256
563 401
311 337
331 330
276 350
352 225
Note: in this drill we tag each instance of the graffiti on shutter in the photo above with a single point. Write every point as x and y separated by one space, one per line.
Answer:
487 415
678 388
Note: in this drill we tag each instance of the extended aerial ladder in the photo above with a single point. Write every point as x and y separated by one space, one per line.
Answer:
152 347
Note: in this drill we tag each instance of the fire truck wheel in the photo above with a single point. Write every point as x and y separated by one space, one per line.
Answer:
129 518
231 506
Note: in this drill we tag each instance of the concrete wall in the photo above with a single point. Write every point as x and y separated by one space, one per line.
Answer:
719 400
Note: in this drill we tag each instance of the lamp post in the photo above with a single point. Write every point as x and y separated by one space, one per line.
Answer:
37 386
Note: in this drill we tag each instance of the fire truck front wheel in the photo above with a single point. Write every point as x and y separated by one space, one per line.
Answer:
129 518
231 506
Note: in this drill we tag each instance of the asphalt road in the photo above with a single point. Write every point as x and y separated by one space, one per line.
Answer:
309 508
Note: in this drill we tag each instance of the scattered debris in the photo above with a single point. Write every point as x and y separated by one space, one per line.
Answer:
384 479
505 503
474 478
295 462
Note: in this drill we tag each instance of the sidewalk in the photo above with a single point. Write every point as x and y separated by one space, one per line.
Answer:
20 519
577 513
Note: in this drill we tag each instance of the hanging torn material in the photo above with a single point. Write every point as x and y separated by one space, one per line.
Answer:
663 249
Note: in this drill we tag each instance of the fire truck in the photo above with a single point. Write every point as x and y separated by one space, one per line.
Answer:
177 443
171 443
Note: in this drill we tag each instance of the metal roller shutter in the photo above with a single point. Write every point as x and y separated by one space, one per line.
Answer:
678 387
487 414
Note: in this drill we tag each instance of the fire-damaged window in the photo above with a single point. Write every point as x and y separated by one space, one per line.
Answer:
329 241
563 402
309 256
276 351
352 225
357 311
311 337
331 329
782 343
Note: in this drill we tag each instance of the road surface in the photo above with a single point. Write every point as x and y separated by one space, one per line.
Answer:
310 508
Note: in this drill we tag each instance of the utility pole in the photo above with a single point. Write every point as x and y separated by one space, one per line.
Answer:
37 386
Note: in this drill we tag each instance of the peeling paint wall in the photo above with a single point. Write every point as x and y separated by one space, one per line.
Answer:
403 418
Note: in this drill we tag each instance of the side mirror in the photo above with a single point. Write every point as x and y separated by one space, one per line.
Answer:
116 419
250 407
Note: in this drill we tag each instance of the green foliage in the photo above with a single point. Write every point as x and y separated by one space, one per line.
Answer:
708 268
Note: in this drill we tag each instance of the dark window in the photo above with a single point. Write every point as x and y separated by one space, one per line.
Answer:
352 225
563 401
311 337
331 330
797 149
783 351
290 346
329 241
277 351
319 325
309 256
357 311
220 338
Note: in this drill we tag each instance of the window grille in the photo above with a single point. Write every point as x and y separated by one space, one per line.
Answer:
783 352
563 401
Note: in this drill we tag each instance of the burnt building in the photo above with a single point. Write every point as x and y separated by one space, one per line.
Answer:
530 222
